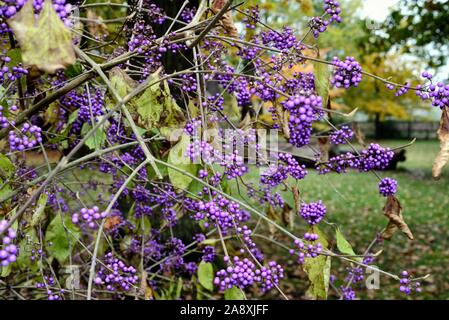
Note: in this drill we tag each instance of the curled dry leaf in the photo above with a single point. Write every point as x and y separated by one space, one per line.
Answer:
45 41
226 21
95 24
443 156
297 199
393 211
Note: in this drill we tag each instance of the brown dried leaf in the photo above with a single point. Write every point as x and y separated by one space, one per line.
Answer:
358 134
324 146
111 222
226 21
443 156
393 211
287 215
297 199
95 25
35 159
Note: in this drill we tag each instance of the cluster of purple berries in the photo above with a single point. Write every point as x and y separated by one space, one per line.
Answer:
10 73
116 275
279 172
31 137
407 285
209 254
48 282
347 73
89 217
403 90
304 110
234 165
332 8
342 135
4 123
252 17
191 127
201 150
187 14
219 212
388 187
318 25
438 94
373 158
8 251
348 293
313 212
310 250
243 273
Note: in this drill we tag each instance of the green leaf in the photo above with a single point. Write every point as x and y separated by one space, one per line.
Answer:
150 105
6 166
96 140
25 246
38 214
177 158
234 294
62 242
74 70
322 77
210 241
157 108
5 190
178 289
45 41
6 271
73 116
343 245
121 82
16 57
318 270
206 275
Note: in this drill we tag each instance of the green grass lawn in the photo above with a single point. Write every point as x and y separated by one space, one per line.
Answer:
353 203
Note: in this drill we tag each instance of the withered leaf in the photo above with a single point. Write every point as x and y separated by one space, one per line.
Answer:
324 146
297 199
443 156
287 215
393 211
111 222
45 41
358 134
95 24
226 20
